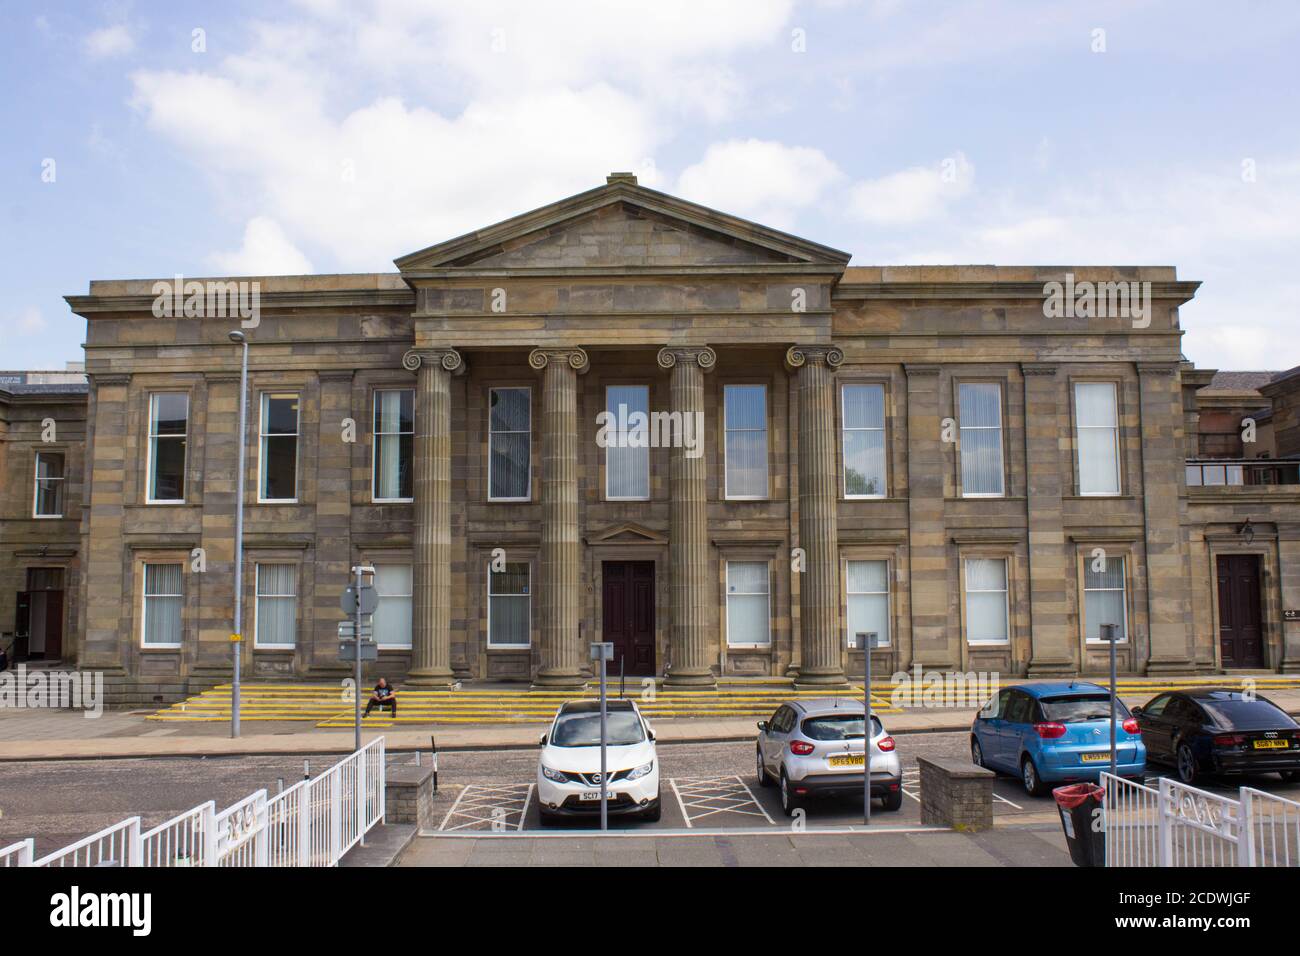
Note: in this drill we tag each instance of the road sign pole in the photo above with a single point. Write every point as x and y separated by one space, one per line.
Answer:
1110 632
357 619
604 742
868 639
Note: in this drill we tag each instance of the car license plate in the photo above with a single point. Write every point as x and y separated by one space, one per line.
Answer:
1096 758
846 760
1271 745
595 795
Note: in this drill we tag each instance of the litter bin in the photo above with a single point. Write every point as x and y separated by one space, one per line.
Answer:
1078 804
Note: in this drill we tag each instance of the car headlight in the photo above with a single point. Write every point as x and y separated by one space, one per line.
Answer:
641 771
559 776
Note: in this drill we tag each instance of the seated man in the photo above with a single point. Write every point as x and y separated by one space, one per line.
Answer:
383 696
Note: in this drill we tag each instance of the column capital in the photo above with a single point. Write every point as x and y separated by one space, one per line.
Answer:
448 358
575 357
700 355
799 355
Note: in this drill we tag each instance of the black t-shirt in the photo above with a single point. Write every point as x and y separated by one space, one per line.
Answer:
385 691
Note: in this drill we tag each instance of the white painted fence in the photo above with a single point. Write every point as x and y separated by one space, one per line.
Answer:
1173 824
313 823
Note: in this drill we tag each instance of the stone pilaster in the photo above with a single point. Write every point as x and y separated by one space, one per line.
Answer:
563 651
1050 651
1163 503
431 571
932 645
821 657
692 649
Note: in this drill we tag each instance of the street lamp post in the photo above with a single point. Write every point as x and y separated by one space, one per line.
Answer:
1110 634
237 636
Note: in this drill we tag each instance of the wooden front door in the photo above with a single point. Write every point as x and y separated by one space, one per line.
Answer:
44 613
1241 638
628 615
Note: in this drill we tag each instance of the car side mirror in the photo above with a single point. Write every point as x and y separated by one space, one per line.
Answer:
762 725
1135 711
651 735
542 740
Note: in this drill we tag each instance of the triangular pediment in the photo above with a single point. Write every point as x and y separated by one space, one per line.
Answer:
621 226
627 532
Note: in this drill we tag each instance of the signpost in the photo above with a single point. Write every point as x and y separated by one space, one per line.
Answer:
358 600
602 652
1110 634
868 639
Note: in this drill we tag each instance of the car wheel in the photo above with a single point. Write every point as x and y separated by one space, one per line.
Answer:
789 802
976 752
764 780
894 799
1289 776
654 813
1029 776
1186 765
546 819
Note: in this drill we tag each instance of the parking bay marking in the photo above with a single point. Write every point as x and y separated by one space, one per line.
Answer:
715 795
914 777
475 801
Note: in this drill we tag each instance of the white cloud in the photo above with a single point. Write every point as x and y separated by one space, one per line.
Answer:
266 250
112 41
765 181
912 195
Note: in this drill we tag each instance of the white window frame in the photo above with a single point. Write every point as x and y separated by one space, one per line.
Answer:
257 600
487 584
889 603
726 586
1123 590
144 605
1002 444
767 445
844 441
528 431
150 457
36 485
262 436
1078 446
375 435
649 435
410 596
1006 596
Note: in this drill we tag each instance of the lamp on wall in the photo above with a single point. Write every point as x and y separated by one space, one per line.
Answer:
1247 531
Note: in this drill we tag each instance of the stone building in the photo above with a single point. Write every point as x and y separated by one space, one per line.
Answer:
979 465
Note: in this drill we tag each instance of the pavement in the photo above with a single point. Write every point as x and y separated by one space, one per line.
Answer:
28 734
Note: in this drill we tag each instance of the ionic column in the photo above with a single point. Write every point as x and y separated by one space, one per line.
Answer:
431 571
691 650
821 640
562 650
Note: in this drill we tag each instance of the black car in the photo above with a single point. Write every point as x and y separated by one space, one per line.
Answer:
1219 731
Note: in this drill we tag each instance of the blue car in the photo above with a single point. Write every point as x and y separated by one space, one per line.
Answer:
1055 732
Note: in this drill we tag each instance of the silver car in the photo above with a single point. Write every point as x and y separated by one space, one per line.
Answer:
813 747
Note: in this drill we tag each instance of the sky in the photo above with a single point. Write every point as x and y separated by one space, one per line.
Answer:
145 140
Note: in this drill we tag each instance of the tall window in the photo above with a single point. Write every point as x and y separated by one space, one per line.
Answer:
748 612
394 452
162 605
627 455
279 448
392 619
867 587
1103 598
510 434
864 440
1096 421
986 601
49 485
277 605
509 606
745 414
981 439
168 423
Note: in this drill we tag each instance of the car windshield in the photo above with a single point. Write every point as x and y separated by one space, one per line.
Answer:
582 729
1069 710
1247 714
838 727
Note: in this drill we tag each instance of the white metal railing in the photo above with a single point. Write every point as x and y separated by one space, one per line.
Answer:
1272 825
1177 825
20 854
1131 813
313 823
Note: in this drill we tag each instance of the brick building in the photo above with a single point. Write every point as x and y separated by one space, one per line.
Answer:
939 456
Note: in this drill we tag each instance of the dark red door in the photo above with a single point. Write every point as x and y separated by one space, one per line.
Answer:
628 615
1241 640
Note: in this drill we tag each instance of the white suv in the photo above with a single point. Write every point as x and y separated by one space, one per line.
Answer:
568 772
